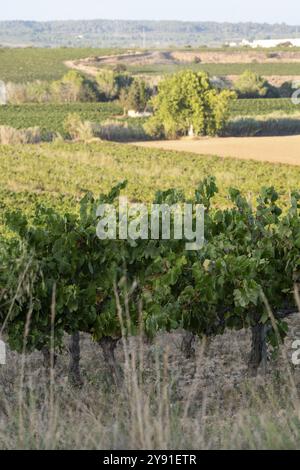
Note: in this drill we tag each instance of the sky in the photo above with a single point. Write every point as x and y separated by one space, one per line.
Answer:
269 11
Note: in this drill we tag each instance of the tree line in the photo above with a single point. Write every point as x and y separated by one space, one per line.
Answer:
110 33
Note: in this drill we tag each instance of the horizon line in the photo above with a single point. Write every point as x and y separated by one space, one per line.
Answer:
148 20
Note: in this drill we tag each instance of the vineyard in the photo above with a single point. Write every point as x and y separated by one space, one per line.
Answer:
60 232
58 171
163 287
31 64
51 117
48 64
258 107
140 343
65 293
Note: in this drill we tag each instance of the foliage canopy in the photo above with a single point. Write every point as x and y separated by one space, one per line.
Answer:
188 100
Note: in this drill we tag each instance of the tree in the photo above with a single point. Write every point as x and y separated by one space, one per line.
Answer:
135 97
188 99
251 85
111 83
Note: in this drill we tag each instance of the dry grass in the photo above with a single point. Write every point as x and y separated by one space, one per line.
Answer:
121 131
11 136
165 402
77 129
275 124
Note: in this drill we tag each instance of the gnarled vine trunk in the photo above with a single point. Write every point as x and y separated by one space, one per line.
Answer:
49 358
108 346
74 364
258 355
188 345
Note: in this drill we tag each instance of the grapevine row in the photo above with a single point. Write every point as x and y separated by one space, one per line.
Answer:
58 276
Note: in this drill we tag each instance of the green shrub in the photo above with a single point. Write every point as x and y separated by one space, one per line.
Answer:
251 85
73 87
136 96
111 83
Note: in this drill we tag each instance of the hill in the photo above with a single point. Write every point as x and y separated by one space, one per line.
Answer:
109 33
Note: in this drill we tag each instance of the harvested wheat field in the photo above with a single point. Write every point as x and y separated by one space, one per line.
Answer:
268 149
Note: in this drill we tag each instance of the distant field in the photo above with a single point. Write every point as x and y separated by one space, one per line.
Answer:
28 64
263 149
263 106
50 117
58 174
266 69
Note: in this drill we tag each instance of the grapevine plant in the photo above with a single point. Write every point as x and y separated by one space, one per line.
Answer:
250 255
247 267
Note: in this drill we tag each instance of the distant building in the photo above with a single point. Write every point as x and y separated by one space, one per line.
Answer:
269 43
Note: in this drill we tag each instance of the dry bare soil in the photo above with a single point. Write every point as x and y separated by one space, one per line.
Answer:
268 149
189 57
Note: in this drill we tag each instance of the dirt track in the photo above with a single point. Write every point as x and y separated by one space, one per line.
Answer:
189 57
92 65
268 149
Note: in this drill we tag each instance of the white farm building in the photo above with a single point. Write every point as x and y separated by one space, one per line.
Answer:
269 43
